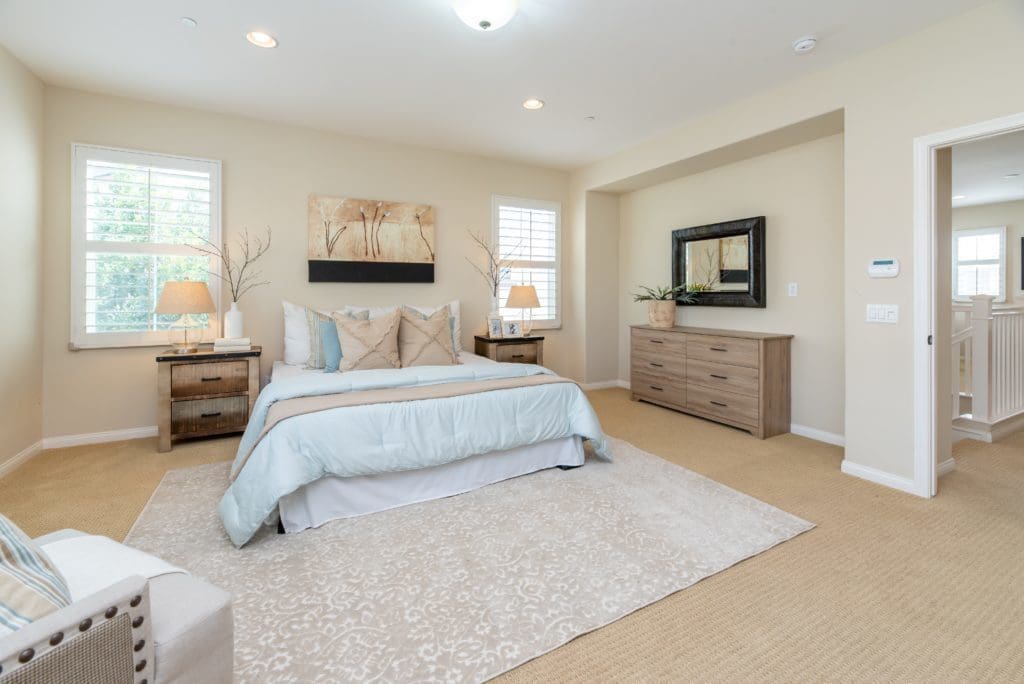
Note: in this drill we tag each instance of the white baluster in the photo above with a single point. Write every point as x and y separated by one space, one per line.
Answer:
981 347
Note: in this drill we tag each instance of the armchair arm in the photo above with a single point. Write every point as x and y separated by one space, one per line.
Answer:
104 638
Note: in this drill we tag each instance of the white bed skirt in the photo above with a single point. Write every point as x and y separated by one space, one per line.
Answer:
332 498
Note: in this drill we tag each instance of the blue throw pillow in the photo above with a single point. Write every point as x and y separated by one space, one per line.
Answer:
331 346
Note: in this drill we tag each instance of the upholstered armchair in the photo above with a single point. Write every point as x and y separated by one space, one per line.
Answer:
171 628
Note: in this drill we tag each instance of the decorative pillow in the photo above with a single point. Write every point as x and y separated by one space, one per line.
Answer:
30 586
369 344
426 340
315 322
296 334
454 310
331 346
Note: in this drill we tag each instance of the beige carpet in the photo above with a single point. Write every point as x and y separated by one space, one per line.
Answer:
886 587
462 588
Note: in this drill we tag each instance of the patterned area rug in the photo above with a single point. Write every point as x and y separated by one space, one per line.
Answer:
464 588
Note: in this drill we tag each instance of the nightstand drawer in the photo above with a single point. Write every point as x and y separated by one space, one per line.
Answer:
517 353
197 416
198 379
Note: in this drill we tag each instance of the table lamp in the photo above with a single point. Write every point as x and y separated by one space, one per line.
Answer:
185 298
523 297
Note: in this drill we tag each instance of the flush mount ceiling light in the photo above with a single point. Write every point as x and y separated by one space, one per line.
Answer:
533 103
485 15
188 22
261 39
804 45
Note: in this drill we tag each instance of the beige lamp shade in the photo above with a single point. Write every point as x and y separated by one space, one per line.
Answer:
522 297
185 297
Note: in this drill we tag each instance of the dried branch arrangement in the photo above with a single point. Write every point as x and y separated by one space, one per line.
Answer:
237 271
496 269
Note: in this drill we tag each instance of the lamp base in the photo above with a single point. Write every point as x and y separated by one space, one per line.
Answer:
185 349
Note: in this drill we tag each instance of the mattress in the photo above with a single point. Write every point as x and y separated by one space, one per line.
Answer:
283 370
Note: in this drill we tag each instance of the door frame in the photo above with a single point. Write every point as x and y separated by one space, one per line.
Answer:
925 258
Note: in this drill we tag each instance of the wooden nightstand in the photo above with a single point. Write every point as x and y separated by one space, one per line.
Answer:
205 393
512 349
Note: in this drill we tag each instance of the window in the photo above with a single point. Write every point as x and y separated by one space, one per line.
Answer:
979 263
528 234
135 218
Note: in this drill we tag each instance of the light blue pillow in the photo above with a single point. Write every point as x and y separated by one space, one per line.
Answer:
331 345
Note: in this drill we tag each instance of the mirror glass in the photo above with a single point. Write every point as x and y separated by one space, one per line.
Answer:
718 264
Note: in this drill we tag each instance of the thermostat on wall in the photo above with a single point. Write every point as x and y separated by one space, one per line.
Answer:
884 268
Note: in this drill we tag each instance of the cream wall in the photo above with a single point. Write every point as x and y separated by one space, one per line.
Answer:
1009 214
889 97
21 154
268 171
799 190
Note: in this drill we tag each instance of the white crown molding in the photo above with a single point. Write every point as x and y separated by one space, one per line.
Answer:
903 484
8 466
64 441
819 435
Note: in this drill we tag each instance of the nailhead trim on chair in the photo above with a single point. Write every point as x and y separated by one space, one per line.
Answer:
141 666
57 638
84 624
137 622
26 655
135 602
139 646
111 612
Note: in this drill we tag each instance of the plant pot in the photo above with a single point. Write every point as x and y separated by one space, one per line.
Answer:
234 322
662 313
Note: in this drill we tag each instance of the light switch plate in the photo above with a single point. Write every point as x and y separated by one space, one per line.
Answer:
883 313
792 289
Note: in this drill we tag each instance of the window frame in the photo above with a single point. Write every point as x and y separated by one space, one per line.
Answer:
497 201
81 153
967 232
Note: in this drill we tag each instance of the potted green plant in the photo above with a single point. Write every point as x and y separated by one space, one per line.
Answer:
661 303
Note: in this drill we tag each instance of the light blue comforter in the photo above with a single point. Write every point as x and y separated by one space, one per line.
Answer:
380 438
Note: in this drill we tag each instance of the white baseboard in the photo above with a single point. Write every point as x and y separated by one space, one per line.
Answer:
63 441
17 459
819 435
903 484
607 384
947 466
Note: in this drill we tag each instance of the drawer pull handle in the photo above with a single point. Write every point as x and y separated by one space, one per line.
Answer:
211 415
657 341
212 379
721 349
657 365
655 387
519 356
718 403
720 377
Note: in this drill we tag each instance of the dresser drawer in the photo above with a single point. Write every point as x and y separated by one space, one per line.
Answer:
730 350
196 379
644 361
734 408
721 376
209 415
666 345
517 353
656 388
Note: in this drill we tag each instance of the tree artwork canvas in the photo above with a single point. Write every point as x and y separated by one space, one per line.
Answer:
370 241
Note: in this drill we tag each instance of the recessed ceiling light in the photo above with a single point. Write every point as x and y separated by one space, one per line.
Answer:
804 45
1012 175
261 39
533 103
188 22
590 118
959 197
485 15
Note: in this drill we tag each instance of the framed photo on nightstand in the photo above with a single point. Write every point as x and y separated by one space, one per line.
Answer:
494 327
512 329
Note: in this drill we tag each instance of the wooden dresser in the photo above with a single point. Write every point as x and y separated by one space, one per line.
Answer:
729 376
205 393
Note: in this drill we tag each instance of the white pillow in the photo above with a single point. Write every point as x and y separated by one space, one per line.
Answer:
296 334
453 308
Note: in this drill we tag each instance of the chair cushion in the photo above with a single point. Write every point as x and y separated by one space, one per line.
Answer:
193 630
369 344
426 340
30 585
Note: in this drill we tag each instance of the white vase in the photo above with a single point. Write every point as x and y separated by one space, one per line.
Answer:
233 322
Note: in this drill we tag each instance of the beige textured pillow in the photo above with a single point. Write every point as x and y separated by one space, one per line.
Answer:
369 344
426 340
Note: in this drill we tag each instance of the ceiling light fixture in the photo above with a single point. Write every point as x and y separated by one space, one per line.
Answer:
533 104
1011 176
188 22
261 39
804 45
485 15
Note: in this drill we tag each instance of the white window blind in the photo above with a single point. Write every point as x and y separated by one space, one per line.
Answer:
135 219
979 263
528 234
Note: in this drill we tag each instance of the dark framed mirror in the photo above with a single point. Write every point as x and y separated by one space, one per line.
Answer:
721 264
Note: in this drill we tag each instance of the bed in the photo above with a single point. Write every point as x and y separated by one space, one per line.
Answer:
359 450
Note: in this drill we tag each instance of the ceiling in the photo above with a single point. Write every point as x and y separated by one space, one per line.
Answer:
980 170
409 71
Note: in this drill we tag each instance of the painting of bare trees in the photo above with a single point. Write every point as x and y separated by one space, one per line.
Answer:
357 240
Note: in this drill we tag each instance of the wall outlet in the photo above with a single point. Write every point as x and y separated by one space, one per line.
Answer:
883 313
792 289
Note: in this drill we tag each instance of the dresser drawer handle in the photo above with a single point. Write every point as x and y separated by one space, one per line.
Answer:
720 377
718 403
519 356
721 349
657 341
211 415
212 379
656 388
657 365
